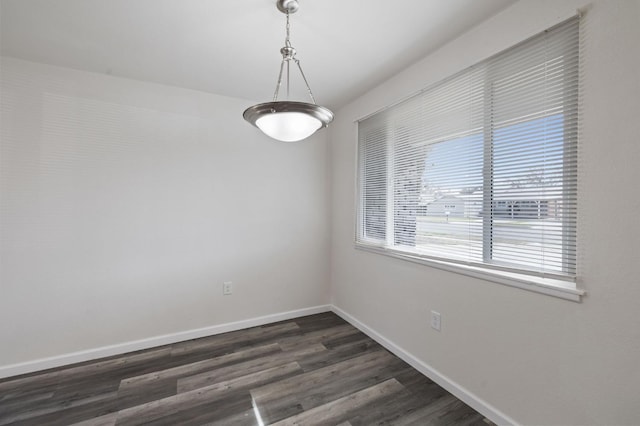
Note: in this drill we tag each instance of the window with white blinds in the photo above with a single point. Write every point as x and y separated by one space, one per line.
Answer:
481 169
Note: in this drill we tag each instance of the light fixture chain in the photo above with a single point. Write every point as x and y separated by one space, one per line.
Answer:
275 95
287 42
288 77
305 80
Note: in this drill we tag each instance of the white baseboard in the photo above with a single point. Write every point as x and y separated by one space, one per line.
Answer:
461 393
166 339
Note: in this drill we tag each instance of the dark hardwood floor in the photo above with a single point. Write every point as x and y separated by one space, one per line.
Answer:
314 370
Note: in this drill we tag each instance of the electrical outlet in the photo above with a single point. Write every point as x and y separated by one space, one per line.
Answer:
435 320
227 288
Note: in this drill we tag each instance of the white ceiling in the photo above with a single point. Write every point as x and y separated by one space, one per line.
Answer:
232 47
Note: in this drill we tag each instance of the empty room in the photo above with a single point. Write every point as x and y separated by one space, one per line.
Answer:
296 212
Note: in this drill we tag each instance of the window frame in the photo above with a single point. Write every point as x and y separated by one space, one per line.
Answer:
549 284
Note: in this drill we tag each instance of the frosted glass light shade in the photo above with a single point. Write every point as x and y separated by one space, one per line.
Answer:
288 121
288 126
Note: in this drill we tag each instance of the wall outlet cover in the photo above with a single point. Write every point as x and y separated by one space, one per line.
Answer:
435 320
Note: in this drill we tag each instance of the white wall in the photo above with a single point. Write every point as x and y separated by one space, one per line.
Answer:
125 205
538 359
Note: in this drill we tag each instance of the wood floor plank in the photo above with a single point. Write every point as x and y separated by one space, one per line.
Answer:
83 370
253 336
460 414
421 386
319 321
352 382
191 369
226 407
425 413
69 403
106 420
186 400
47 415
337 341
340 409
24 404
243 418
226 373
339 353
318 336
394 410
455 413
298 384
133 396
299 393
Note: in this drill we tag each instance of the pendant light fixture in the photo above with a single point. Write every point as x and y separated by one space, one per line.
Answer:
288 121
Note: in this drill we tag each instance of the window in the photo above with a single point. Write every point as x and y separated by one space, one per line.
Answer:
480 170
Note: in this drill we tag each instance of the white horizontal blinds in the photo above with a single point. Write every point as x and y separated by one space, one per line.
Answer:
373 184
438 169
433 155
533 91
482 167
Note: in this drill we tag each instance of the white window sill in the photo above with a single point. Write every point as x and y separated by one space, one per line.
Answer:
549 286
